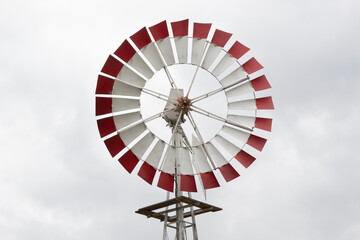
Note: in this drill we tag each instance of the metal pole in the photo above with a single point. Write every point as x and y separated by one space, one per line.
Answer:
194 229
179 211
165 233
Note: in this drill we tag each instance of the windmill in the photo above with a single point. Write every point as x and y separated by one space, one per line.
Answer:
182 101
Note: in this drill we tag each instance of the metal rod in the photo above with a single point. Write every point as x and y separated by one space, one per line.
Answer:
171 80
194 229
200 138
165 233
145 120
197 69
214 116
194 100
159 95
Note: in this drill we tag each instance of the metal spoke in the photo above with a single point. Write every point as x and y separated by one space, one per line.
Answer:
145 120
214 116
171 80
159 95
194 100
200 138
197 69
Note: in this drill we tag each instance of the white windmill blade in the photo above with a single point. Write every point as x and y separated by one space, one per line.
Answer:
129 55
132 133
142 146
180 31
252 104
143 41
199 157
185 162
219 39
198 49
200 34
196 161
126 119
124 89
128 76
236 75
168 164
242 89
235 52
249 104
227 145
160 34
119 104
155 155
212 52
216 155
247 121
110 86
236 133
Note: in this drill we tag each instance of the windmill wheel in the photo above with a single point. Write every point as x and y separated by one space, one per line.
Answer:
170 78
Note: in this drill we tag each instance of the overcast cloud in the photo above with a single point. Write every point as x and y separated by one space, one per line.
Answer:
57 180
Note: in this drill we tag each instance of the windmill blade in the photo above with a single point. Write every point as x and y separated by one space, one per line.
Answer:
106 126
161 35
142 146
104 85
198 47
119 104
168 164
200 33
128 161
236 133
227 145
235 52
147 172
187 183
143 41
180 31
126 119
124 89
252 65
236 75
252 104
218 41
216 155
132 133
212 52
185 162
263 123
240 90
228 172
128 76
260 83
114 145
200 161
256 142
154 157
244 158
129 55
166 181
247 121
103 106
209 180
112 66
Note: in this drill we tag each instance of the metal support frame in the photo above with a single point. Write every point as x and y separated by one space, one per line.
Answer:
164 211
183 207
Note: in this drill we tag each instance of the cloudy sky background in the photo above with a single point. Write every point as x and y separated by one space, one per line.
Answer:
57 180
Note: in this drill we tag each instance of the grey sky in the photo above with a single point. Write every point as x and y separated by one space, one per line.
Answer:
57 180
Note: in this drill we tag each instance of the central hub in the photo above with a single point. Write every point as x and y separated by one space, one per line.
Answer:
184 104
